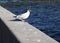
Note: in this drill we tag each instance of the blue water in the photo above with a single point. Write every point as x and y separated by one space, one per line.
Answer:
45 17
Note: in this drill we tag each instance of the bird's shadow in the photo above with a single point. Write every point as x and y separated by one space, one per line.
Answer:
15 20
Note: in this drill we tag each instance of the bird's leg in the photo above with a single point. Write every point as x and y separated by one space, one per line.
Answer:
23 20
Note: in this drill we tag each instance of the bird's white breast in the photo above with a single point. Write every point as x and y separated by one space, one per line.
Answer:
24 15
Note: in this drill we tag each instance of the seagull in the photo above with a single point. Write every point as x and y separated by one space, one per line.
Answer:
23 16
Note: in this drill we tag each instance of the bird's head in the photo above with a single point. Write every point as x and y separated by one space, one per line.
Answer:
30 10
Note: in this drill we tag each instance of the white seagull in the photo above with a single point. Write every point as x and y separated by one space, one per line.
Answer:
24 16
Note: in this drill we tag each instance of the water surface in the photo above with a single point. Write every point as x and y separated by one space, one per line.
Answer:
45 17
